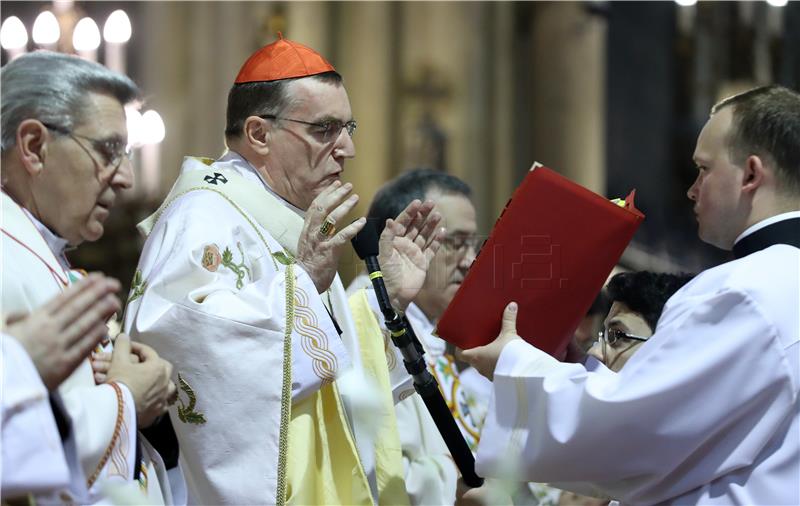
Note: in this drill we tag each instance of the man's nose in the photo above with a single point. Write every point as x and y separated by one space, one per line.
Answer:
692 191
469 257
123 176
596 351
345 147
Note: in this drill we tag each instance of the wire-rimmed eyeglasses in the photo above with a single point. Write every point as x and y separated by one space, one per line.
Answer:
112 151
328 130
611 336
460 244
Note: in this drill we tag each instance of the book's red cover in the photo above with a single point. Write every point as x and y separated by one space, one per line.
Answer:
551 251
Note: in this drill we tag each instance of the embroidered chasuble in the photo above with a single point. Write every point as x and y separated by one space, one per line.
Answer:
103 417
267 410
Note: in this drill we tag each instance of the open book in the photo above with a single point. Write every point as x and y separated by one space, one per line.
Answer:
551 250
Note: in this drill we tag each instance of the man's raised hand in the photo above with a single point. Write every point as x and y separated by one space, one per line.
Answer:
407 246
320 245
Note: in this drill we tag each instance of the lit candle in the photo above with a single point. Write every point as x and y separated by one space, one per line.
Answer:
46 31
116 33
133 120
86 39
13 37
153 132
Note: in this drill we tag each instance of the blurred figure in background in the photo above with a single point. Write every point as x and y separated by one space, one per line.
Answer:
430 473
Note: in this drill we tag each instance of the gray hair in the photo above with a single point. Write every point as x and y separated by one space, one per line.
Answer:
52 88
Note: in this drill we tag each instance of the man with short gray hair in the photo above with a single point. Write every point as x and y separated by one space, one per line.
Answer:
65 160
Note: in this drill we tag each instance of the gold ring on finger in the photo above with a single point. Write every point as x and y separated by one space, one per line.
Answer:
328 228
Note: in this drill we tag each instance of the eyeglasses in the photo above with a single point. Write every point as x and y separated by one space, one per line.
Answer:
460 244
112 151
328 130
611 336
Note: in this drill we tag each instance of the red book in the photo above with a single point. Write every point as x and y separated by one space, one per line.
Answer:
551 251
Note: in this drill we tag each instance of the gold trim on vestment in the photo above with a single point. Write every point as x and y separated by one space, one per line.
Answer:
115 436
186 412
286 392
314 341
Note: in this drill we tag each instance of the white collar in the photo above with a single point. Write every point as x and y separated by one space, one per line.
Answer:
57 245
241 162
765 223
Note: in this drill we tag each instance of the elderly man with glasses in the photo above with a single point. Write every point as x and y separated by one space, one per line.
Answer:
430 473
282 400
64 163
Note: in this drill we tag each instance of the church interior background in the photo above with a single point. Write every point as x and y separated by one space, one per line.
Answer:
610 94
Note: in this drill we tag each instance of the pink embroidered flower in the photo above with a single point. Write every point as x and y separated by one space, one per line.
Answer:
211 258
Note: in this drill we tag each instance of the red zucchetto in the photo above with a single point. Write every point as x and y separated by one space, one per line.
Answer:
283 59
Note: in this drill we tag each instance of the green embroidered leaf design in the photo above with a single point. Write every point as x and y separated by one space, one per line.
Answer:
186 412
138 286
239 269
194 418
283 258
227 256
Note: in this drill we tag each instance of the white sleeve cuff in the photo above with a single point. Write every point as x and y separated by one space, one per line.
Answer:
519 358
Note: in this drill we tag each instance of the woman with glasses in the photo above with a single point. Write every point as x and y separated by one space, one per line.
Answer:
637 299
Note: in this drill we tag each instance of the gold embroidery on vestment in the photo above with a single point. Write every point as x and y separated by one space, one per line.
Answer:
114 437
186 412
314 341
118 464
211 258
286 390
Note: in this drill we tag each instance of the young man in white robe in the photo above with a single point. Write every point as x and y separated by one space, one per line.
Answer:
707 411
64 161
282 400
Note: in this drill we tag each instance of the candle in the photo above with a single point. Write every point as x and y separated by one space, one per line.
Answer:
153 132
86 39
13 37
116 33
46 31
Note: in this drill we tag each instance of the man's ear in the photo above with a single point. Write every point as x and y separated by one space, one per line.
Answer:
257 134
32 140
755 174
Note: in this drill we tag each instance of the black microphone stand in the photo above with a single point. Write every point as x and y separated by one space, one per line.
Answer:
404 338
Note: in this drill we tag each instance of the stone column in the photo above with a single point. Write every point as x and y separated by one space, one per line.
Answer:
194 51
364 58
567 52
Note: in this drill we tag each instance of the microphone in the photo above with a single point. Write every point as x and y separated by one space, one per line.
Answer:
404 338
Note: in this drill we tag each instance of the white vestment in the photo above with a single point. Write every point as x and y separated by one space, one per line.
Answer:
33 459
103 417
211 297
705 412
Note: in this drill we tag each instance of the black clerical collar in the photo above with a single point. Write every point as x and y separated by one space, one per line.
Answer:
781 232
